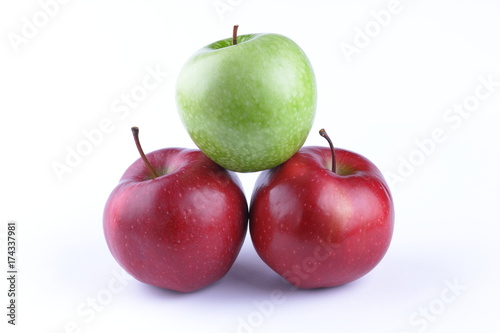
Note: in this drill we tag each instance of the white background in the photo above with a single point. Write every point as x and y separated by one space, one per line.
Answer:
442 270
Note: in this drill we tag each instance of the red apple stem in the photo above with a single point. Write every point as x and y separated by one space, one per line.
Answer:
235 34
323 133
135 132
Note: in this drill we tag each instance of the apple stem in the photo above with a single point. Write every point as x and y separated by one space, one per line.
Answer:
323 133
135 132
235 34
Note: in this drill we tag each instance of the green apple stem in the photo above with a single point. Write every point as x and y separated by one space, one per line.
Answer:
235 34
135 132
323 133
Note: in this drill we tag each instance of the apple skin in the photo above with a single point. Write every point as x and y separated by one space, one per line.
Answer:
249 106
317 228
182 230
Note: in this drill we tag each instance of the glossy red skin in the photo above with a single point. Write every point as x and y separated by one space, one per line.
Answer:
317 228
181 231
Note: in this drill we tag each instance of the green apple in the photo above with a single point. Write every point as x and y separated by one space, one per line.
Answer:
248 102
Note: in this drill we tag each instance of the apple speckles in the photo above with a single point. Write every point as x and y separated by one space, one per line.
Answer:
248 118
344 225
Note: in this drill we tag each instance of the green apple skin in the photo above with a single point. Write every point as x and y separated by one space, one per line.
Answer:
249 106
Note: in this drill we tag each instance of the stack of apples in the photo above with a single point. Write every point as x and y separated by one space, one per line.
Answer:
318 216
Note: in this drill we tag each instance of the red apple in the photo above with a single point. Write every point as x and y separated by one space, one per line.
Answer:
319 227
178 225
